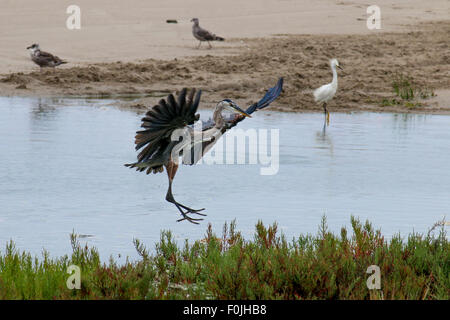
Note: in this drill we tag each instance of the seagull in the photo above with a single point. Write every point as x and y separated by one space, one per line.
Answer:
326 92
203 35
44 59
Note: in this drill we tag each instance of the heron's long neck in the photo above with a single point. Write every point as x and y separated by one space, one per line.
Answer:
219 124
335 79
218 118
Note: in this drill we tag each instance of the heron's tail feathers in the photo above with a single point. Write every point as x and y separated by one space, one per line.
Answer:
217 38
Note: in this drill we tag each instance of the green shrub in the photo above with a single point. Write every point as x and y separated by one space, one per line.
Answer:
322 266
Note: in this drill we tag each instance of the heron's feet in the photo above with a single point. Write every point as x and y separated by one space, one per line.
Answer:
195 211
328 118
190 219
188 211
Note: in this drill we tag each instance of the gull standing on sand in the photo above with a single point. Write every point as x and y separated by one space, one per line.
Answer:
326 92
44 59
203 35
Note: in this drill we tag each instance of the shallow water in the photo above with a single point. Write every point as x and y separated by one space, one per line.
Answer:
61 169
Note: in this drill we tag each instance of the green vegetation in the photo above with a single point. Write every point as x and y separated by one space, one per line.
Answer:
408 93
322 266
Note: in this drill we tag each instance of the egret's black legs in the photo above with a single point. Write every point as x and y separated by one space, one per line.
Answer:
324 129
171 171
327 114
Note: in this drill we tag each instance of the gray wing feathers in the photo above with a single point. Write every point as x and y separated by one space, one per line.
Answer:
204 35
43 58
158 124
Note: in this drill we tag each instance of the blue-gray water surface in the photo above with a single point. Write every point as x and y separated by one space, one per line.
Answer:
61 170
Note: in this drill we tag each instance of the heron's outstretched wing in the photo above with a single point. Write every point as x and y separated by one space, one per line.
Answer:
268 98
159 124
234 119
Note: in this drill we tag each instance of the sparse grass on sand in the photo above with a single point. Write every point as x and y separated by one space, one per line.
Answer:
322 266
408 93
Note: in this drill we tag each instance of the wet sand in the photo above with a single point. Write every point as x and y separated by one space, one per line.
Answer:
129 49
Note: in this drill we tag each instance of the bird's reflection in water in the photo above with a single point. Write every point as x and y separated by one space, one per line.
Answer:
324 140
406 122
42 109
43 115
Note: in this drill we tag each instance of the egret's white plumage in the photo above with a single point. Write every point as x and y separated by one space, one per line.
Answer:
326 92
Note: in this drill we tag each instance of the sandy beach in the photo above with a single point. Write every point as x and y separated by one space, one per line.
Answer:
128 48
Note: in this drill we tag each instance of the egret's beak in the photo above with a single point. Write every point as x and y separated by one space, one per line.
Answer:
340 68
239 110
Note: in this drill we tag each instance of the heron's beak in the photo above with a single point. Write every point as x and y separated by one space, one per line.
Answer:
239 110
29 47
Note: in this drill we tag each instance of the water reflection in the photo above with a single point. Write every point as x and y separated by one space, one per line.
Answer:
324 140
407 121
43 117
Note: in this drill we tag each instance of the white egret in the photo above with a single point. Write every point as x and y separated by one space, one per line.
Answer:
326 92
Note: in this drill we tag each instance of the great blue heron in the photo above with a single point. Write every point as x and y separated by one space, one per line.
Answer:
163 144
44 59
326 92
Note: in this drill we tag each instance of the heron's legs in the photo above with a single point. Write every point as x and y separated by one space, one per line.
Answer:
210 46
327 114
199 44
171 171
171 199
